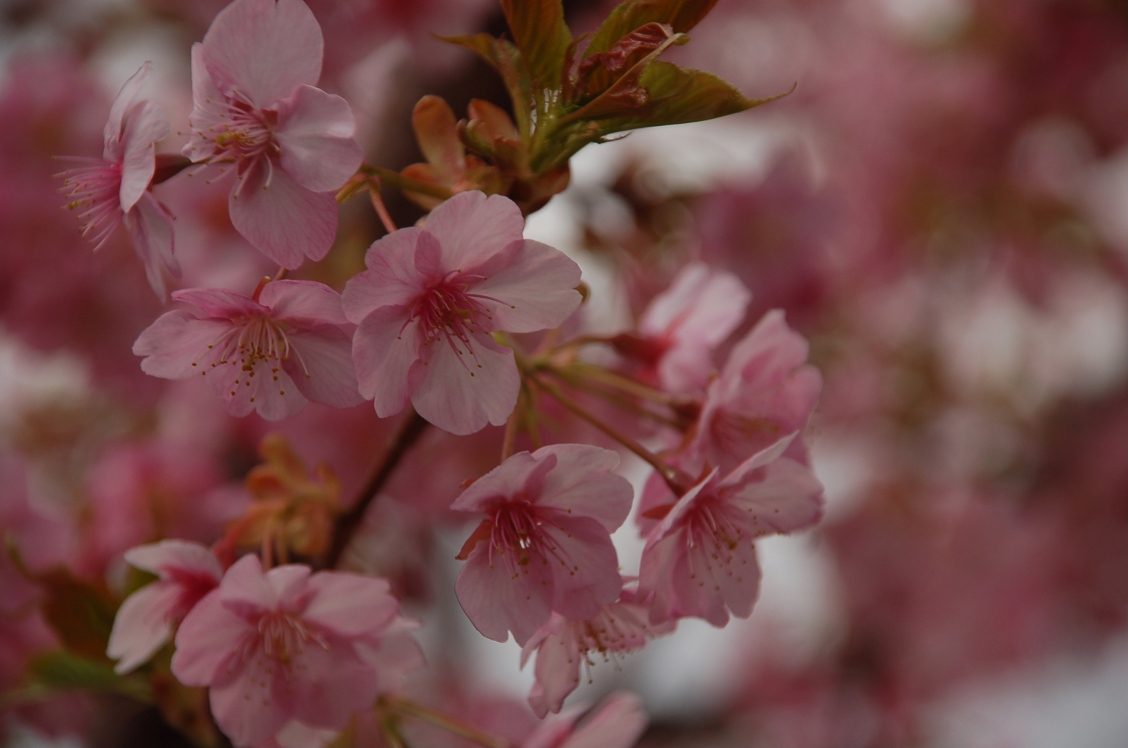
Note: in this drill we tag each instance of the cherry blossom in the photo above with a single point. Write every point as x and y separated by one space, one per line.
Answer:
269 354
618 723
255 105
765 391
430 299
681 326
115 188
700 559
563 645
186 573
287 645
545 544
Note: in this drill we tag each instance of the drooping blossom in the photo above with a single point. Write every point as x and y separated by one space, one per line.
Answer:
766 390
545 544
287 645
115 188
563 645
430 299
700 559
269 354
683 325
186 572
256 107
617 724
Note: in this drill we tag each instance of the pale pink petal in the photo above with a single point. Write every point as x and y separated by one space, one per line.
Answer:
176 341
557 671
208 636
461 393
280 218
497 600
321 366
618 724
428 259
264 49
391 278
788 498
245 590
245 702
180 555
265 389
218 302
334 685
150 225
349 605
287 581
529 286
584 565
293 300
145 125
386 352
471 228
142 625
695 588
554 731
394 656
656 570
209 109
315 134
296 735
769 454
115 125
701 304
583 483
504 481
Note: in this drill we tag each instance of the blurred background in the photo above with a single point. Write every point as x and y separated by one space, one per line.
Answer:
941 208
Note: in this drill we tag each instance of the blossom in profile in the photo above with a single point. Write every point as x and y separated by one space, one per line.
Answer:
766 390
618 723
563 645
270 354
545 544
700 560
186 572
683 325
431 297
256 108
114 189
289 646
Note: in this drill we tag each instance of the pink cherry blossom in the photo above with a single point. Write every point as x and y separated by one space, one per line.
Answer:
430 299
115 188
563 645
545 544
255 105
685 323
765 391
288 646
700 559
269 354
186 572
617 724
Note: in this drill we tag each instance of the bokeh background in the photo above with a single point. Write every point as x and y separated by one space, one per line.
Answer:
941 207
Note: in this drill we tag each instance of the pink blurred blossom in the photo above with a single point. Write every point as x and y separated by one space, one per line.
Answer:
618 723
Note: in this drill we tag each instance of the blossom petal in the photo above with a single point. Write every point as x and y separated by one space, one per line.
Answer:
386 352
584 565
180 555
618 724
583 483
265 389
245 589
208 636
219 302
115 123
146 125
175 342
497 600
506 480
280 218
151 228
391 278
534 286
245 702
303 300
557 671
315 136
789 498
322 366
334 684
471 228
264 49
350 605
461 393
142 625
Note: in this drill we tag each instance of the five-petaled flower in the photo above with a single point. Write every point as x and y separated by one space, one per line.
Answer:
545 544
430 299
286 646
255 106
269 354
115 188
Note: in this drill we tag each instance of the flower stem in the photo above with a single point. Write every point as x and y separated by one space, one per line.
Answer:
411 709
407 184
349 522
378 203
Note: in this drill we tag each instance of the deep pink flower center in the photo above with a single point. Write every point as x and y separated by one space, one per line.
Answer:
518 537
95 191
448 311
193 585
283 636
712 528
245 135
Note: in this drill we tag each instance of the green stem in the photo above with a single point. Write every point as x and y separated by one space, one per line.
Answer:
407 184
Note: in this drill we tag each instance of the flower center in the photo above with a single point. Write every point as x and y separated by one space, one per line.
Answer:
448 311
283 636
94 190
244 135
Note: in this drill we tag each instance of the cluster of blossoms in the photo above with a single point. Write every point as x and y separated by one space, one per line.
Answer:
459 323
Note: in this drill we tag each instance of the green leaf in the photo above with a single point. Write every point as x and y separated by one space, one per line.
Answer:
79 612
61 670
681 15
542 36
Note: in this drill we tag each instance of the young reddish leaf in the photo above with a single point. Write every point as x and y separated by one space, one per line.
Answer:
598 72
681 15
542 36
80 613
437 132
